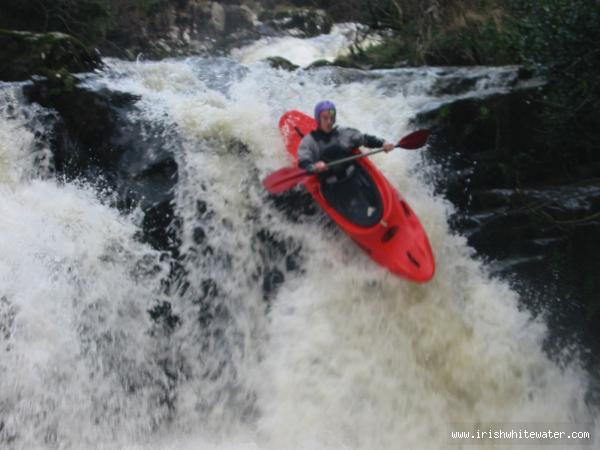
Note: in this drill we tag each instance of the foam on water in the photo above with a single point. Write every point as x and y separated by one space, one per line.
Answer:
345 356
302 52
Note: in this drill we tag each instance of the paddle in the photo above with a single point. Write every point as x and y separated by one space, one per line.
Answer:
288 177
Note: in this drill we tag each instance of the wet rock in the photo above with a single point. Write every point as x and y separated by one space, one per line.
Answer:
445 86
238 18
533 215
278 62
199 235
156 226
295 204
453 81
217 17
319 63
473 126
163 313
272 280
278 255
23 54
301 22
82 138
95 140
160 29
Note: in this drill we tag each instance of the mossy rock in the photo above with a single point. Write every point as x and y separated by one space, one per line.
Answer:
319 63
278 62
58 82
23 54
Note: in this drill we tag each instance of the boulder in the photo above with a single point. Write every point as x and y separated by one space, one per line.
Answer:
94 140
534 217
238 18
217 17
23 54
278 62
301 22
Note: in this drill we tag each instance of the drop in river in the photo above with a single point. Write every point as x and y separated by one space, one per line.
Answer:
266 328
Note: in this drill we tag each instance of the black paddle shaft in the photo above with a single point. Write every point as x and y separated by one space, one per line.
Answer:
353 157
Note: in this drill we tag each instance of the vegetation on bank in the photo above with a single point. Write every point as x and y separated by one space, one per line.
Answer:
556 39
100 23
559 39
434 32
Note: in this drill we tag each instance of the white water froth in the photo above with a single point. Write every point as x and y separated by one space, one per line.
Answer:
73 284
347 356
21 156
303 52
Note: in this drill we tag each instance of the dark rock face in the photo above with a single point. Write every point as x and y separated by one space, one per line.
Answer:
537 217
87 121
93 140
163 29
189 27
237 18
24 54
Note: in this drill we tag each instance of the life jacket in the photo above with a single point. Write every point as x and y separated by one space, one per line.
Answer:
332 150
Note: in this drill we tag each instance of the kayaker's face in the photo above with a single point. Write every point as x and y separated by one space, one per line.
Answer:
327 120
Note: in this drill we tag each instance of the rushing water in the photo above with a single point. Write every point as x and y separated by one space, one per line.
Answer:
302 52
343 354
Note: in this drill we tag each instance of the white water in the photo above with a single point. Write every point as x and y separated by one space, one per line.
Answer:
347 356
302 52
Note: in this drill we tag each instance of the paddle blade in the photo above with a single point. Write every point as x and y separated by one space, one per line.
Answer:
414 140
285 179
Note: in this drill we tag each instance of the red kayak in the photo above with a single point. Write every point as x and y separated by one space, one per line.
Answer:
398 241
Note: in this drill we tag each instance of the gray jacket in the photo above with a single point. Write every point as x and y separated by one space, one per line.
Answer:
321 146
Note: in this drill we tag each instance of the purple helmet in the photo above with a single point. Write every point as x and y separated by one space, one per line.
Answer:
324 106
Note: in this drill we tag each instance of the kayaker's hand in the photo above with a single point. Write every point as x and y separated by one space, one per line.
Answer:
319 167
388 147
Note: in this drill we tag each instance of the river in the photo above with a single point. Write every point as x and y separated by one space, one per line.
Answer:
337 354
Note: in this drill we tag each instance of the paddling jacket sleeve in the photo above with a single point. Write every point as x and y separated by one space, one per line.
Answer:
308 152
313 144
358 139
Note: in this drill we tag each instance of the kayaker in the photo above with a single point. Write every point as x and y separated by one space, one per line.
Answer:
328 143
347 187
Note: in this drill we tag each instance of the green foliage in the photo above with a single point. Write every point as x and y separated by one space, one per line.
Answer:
92 21
480 43
444 112
88 20
61 82
152 7
560 40
484 113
